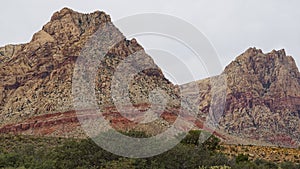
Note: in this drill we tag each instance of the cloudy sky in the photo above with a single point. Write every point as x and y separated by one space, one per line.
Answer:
231 26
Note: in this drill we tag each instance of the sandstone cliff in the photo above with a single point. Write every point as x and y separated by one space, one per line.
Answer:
263 98
262 91
36 77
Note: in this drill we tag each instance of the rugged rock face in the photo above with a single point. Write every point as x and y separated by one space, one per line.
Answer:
263 98
36 78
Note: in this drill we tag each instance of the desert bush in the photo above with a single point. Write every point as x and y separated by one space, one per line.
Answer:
242 158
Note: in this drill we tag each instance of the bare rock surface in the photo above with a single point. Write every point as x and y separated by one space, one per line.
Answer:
263 98
262 91
36 77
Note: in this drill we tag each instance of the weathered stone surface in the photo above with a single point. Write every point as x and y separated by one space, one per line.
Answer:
263 98
36 78
9 51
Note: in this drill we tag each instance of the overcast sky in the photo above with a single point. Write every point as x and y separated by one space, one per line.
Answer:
232 26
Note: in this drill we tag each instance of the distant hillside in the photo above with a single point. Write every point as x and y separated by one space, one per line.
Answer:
263 99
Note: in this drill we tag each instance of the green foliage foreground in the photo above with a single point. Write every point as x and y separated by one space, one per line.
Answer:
48 153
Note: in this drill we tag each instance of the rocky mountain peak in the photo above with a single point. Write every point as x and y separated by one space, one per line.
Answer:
67 25
67 13
253 55
262 101
253 50
37 77
272 74
263 98
59 14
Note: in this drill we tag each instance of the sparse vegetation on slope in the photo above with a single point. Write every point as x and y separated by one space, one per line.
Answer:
33 152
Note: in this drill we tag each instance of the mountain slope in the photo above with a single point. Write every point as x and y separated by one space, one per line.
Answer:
36 78
263 98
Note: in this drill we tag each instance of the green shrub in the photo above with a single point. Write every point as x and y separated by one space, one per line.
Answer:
242 158
50 153
265 164
192 137
289 165
212 143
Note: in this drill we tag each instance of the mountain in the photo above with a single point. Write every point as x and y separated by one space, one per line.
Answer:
262 95
263 98
36 77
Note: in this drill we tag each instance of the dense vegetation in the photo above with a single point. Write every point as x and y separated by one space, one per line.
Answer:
31 152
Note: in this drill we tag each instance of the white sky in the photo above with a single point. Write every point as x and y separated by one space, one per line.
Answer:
232 26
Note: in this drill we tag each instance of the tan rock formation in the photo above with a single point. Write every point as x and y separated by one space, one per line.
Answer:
262 101
263 98
36 78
